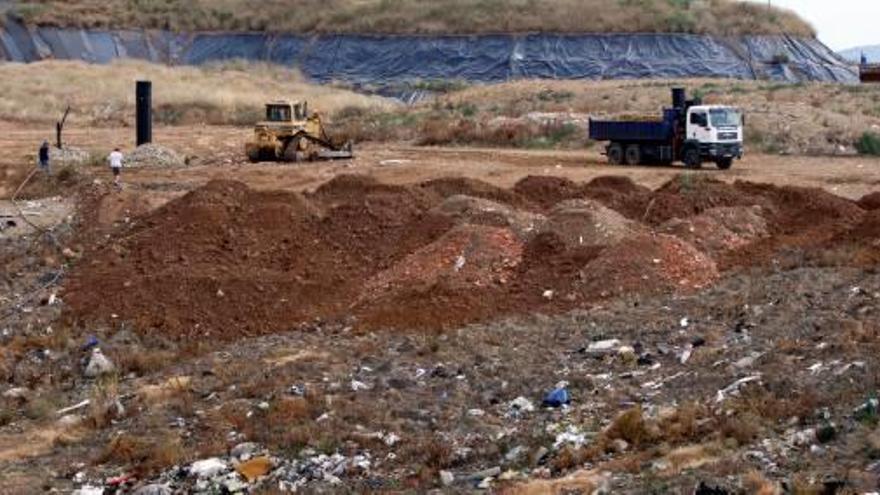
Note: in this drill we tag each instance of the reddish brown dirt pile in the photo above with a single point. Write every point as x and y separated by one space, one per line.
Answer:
803 223
720 230
479 211
225 261
649 263
454 186
870 201
585 222
547 191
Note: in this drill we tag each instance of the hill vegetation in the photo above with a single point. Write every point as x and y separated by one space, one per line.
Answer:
720 17
230 93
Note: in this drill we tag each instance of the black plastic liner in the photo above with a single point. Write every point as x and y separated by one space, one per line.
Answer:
393 60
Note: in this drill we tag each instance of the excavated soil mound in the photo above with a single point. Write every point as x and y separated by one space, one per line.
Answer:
224 260
465 258
461 186
479 211
585 222
720 230
870 201
547 191
649 263
797 208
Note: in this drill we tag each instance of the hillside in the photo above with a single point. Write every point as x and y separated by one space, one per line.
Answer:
721 17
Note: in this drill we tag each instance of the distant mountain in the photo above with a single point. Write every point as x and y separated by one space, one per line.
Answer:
855 54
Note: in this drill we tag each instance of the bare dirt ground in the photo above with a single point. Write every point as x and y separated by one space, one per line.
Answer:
393 323
216 154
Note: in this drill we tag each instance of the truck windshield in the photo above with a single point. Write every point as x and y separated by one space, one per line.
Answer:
725 117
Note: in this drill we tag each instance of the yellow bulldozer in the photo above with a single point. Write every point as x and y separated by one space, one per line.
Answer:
291 134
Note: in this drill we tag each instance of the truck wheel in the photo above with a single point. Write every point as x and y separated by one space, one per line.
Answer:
724 163
692 158
633 155
615 154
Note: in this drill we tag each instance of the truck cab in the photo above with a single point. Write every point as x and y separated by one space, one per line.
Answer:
716 131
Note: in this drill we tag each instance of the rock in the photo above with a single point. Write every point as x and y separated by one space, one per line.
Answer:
255 468
244 449
89 490
447 478
208 468
154 489
476 413
98 365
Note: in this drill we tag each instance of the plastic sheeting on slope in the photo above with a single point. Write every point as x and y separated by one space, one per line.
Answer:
384 60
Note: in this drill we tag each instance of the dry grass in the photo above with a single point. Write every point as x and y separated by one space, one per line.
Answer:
420 16
791 118
145 455
232 93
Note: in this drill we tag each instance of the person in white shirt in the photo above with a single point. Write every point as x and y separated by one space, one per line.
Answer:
116 165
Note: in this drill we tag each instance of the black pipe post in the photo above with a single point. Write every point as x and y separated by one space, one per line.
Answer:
678 98
144 100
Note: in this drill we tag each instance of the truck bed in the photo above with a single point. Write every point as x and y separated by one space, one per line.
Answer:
629 131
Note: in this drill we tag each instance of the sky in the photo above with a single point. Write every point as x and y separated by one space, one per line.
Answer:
841 24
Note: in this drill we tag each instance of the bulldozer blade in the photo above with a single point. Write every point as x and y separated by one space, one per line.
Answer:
335 155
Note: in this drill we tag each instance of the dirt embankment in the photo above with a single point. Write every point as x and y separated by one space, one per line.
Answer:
225 260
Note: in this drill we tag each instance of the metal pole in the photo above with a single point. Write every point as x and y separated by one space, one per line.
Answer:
144 101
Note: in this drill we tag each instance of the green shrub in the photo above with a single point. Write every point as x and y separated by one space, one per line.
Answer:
869 144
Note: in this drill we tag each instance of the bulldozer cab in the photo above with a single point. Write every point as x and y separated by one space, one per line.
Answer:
286 112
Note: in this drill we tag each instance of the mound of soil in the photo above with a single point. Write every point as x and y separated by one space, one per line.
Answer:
795 208
719 230
547 191
585 222
455 186
466 258
649 263
224 260
870 201
468 209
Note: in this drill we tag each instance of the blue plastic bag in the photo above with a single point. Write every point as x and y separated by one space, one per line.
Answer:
556 398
